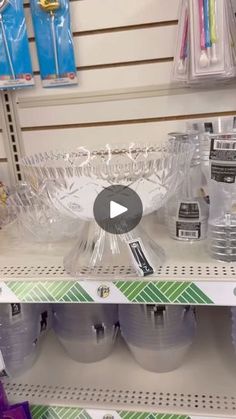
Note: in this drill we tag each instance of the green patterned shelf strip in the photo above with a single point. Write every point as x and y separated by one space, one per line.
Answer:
135 291
50 412
163 292
56 291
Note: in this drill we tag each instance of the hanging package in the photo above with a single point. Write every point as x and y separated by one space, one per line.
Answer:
15 63
212 55
51 19
205 49
181 58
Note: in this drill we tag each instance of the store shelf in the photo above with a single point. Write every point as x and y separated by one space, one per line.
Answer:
204 386
32 272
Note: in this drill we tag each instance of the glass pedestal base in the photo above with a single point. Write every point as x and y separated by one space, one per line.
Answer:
99 254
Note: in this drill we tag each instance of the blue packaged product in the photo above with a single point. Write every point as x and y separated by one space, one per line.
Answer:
51 20
15 63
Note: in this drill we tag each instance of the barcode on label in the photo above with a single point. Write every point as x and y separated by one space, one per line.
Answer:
224 145
188 233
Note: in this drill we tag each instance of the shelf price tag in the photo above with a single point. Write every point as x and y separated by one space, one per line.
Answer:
103 292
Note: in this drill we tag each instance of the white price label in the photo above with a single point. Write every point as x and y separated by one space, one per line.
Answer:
188 234
224 145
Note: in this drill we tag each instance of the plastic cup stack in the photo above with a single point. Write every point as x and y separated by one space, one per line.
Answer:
159 337
222 239
87 332
233 314
19 334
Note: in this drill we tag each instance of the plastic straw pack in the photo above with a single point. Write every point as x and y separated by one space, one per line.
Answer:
206 42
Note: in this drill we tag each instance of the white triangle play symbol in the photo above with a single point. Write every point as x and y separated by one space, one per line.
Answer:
116 209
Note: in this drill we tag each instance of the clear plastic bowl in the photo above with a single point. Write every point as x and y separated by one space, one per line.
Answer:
82 318
147 329
87 332
89 350
160 360
38 220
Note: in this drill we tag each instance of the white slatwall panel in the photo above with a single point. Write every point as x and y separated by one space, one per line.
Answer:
127 40
88 15
121 46
154 107
124 46
73 137
155 75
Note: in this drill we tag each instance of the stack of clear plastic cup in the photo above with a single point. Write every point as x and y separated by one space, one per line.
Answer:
222 238
222 220
212 126
159 337
233 332
19 335
86 331
186 212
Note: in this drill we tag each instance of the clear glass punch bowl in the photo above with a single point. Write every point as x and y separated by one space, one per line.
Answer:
74 180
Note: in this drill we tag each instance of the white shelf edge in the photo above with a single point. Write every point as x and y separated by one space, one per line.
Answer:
33 272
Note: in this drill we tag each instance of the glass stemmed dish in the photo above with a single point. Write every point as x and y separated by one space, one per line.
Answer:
74 180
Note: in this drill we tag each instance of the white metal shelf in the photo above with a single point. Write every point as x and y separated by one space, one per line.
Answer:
203 386
34 272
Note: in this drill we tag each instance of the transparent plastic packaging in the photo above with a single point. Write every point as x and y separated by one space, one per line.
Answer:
233 330
54 42
222 220
87 332
19 336
211 51
78 177
181 58
231 21
206 41
15 72
158 336
205 127
186 212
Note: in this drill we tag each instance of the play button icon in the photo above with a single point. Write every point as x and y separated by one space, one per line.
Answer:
118 209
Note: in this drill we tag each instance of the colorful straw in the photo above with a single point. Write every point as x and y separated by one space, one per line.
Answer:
213 31
184 44
204 60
